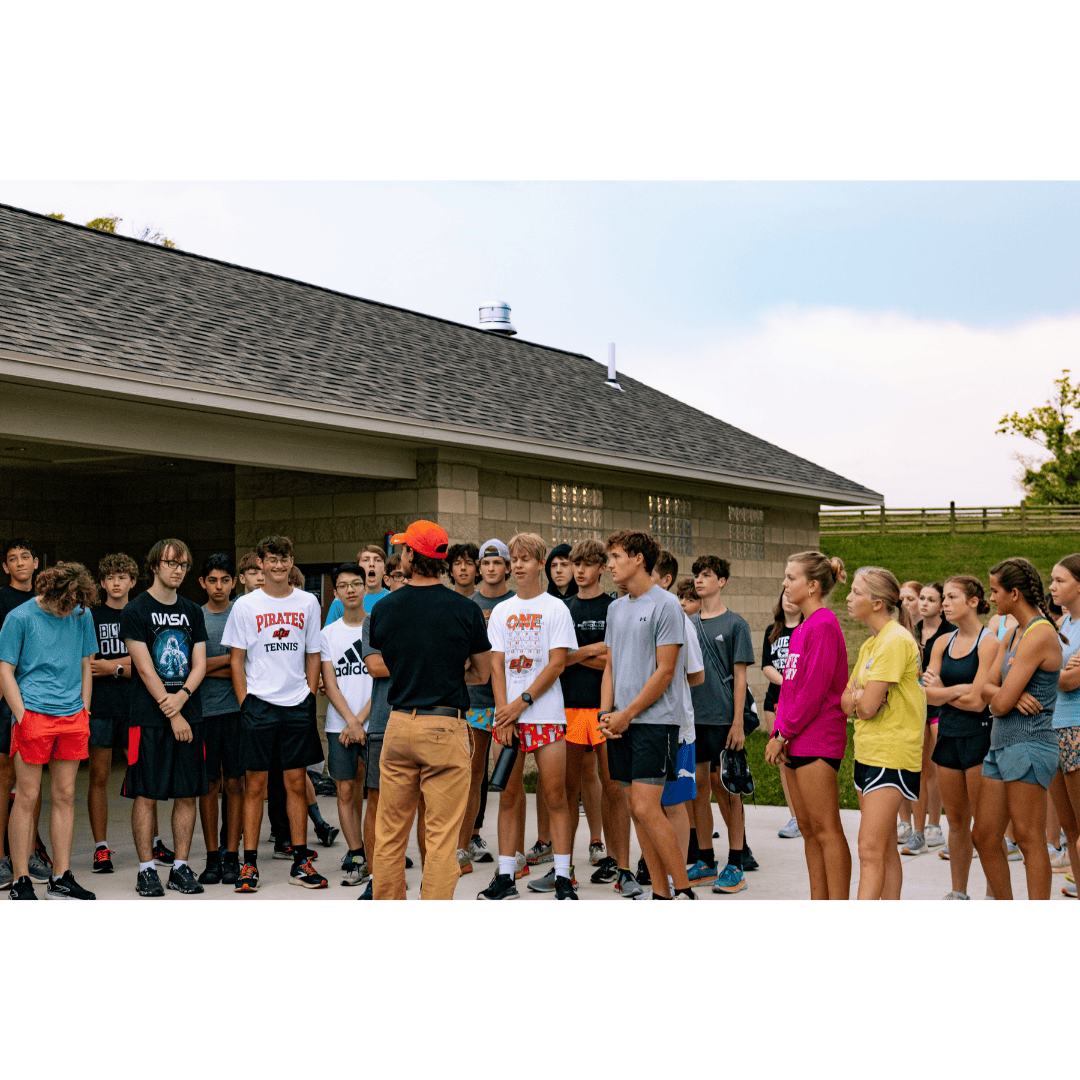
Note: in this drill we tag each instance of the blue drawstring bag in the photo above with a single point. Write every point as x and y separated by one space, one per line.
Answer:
684 787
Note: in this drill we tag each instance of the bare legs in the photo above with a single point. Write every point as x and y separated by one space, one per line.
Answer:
815 799
880 873
1026 805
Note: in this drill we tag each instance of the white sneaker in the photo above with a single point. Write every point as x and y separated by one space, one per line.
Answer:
903 832
1013 852
1059 859
933 836
916 845
479 850
1069 889
790 831
596 852
956 896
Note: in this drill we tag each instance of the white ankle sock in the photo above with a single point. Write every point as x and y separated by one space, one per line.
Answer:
101 844
178 863
146 866
507 865
562 866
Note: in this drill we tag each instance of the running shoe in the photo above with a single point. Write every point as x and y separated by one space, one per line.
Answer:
944 853
1013 852
548 881
790 831
212 874
7 875
66 887
933 836
408 863
564 888
230 868
282 849
716 834
353 871
502 887
248 881
182 880
305 875
903 831
464 861
148 883
538 853
162 855
607 870
368 893
916 845
102 861
479 850
1068 889
956 896
327 834
700 874
23 889
596 852
40 866
1059 859
628 885
685 896
323 785
731 880
748 860
521 867
642 874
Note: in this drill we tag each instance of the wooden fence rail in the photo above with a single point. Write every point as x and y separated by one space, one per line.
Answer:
951 520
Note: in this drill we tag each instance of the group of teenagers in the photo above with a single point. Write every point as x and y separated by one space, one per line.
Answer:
633 701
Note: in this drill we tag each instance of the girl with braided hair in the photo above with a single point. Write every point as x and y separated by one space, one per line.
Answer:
1023 758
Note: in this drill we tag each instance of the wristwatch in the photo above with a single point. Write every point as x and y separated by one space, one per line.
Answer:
527 698
186 690
119 671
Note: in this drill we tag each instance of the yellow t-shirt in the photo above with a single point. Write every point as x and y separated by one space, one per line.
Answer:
893 739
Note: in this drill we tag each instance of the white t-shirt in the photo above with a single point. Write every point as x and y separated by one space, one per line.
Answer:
342 645
525 632
277 634
695 662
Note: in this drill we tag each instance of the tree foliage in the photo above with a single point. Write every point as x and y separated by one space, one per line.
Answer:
1051 426
148 234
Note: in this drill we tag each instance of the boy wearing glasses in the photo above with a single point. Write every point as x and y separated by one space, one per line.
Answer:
166 638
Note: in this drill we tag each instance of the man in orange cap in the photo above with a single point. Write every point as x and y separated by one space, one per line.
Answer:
425 634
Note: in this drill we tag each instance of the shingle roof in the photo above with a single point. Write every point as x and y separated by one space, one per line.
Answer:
114 303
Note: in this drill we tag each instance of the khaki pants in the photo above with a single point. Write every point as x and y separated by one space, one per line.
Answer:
429 754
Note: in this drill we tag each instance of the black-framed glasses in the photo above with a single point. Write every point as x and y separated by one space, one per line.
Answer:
172 564
349 586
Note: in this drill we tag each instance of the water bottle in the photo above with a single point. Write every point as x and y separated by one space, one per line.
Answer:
504 766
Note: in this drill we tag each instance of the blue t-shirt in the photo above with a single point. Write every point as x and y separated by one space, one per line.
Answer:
46 652
1067 711
337 610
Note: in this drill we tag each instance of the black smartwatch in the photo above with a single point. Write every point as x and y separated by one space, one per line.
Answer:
527 698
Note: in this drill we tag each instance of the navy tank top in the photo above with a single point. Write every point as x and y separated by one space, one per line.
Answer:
959 723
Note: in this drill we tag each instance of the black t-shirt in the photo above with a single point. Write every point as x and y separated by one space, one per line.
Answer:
425 634
111 696
580 684
170 632
774 654
10 599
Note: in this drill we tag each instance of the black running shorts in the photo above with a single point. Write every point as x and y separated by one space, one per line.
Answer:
289 729
646 754
952 752
709 743
161 767
109 732
871 777
222 740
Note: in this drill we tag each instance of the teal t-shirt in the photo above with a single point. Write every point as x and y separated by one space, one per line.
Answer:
46 652
337 610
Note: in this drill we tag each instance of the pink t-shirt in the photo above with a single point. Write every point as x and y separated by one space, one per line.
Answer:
815 674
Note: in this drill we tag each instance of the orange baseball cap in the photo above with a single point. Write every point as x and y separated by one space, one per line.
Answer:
425 538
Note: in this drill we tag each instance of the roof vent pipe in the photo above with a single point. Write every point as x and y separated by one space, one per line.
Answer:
495 316
612 380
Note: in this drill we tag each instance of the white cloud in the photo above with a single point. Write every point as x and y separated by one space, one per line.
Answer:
906 406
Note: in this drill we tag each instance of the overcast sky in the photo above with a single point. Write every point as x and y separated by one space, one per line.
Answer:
880 330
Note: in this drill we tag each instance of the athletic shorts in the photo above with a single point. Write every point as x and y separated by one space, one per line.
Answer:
583 727
1028 762
290 730
799 762
1068 749
39 739
344 762
535 736
221 737
709 744
484 719
109 732
961 752
683 788
374 753
6 720
871 777
646 754
161 767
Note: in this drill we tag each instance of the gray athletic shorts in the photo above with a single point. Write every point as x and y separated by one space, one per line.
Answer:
343 762
374 749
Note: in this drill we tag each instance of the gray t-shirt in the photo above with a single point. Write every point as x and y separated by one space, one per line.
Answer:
218 695
483 697
725 639
635 628
380 688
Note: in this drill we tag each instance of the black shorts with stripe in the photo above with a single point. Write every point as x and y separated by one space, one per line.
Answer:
869 778
162 767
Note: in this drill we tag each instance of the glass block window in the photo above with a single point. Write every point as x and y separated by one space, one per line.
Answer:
747 532
669 522
577 513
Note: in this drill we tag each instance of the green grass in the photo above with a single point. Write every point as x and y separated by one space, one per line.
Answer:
768 790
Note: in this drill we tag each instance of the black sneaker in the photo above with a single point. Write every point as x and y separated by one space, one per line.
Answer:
162 855
607 870
735 773
182 879
230 868
367 893
212 874
305 875
23 889
102 861
642 874
408 863
323 785
148 883
248 881
327 834
748 860
502 887
67 888
564 889
282 849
